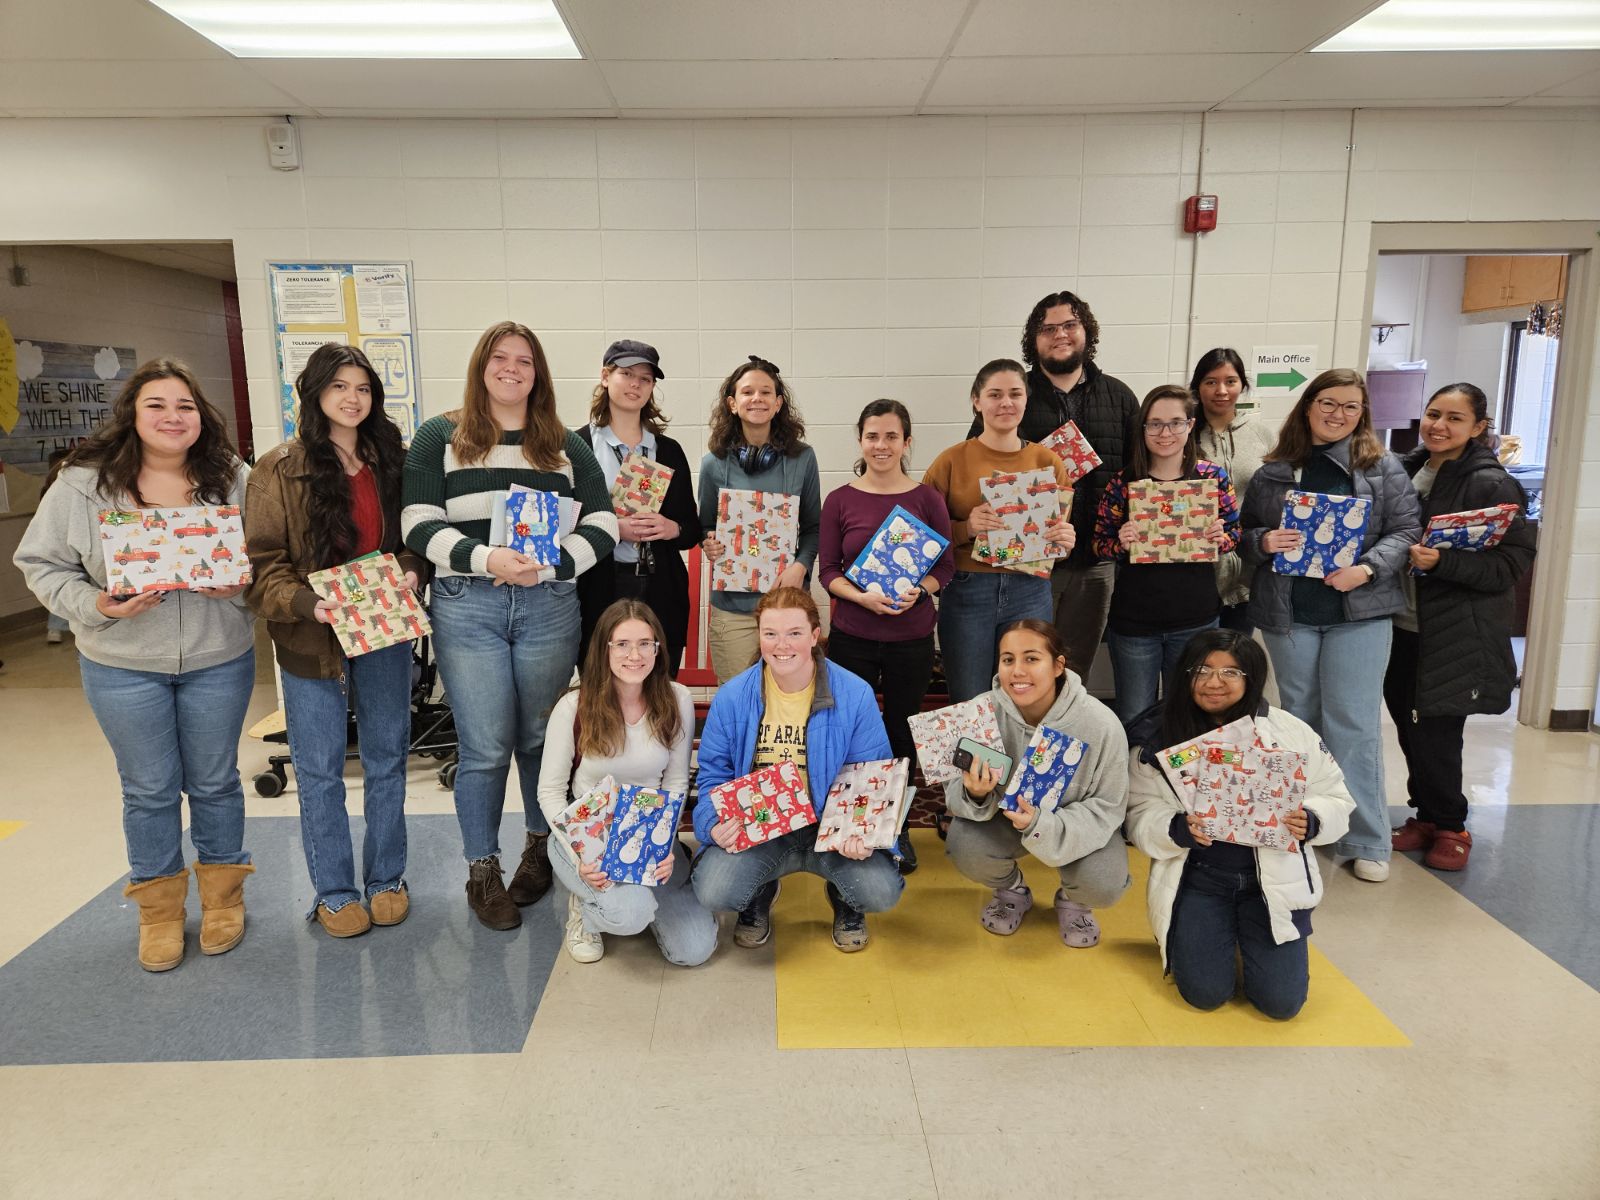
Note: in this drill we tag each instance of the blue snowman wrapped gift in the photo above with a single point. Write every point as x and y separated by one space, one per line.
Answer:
898 557
644 829
1332 527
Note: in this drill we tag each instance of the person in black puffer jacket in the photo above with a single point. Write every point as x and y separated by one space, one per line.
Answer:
1452 645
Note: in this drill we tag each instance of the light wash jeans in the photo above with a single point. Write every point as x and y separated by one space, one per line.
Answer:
505 655
685 931
728 882
56 624
972 612
315 709
175 734
1142 666
1331 677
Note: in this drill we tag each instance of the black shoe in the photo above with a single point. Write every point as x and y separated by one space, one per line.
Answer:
754 926
908 853
533 877
849 924
943 826
486 896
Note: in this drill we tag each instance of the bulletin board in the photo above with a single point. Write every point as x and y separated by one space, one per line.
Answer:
367 305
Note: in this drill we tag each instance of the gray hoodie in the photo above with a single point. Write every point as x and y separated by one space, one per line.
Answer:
1097 798
60 559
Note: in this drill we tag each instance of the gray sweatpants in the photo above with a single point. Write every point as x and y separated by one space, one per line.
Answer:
986 852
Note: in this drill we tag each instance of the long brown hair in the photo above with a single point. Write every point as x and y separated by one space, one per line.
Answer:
115 448
477 432
1139 453
787 598
1294 440
600 726
650 416
788 428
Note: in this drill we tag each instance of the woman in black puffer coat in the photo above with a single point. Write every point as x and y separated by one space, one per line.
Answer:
1452 646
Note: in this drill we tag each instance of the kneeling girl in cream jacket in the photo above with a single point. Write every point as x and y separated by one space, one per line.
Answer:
1213 901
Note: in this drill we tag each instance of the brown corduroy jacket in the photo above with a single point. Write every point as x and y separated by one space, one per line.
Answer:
277 529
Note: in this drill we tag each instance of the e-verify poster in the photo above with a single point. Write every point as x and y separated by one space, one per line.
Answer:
64 393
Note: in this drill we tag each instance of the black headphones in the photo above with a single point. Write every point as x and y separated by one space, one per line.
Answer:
753 460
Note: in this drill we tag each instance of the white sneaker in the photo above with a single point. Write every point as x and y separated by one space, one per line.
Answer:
1370 870
52 637
584 946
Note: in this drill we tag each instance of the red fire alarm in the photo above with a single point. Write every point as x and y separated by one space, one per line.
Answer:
1199 214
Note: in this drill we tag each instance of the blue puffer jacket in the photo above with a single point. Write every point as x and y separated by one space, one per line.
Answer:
845 727
1393 525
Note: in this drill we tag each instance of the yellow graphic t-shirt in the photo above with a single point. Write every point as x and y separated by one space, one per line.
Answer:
782 735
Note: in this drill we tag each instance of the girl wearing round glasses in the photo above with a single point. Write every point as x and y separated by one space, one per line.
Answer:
1329 638
1213 904
629 720
792 706
1156 607
1452 644
1237 442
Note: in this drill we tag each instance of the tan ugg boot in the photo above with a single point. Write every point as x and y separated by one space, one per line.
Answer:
221 905
161 915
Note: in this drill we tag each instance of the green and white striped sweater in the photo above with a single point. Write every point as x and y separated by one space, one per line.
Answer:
447 504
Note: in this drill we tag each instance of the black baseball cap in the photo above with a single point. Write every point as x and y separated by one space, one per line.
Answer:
628 353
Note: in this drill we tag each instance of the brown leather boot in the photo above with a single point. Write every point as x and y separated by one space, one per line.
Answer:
221 905
486 895
161 914
533 876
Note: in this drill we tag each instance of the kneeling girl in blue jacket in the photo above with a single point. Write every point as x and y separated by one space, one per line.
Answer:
792 706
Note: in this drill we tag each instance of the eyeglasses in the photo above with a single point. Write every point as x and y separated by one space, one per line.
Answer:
1061 327
646 648
1351 408
1168 426
1226 674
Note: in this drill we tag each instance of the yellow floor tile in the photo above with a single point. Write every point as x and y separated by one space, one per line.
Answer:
933 977
7 828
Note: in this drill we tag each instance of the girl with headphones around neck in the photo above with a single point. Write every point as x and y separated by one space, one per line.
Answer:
755 445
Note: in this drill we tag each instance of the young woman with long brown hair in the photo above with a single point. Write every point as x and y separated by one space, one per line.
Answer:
330 495
629 720
1329 638
756 444
168 674
505 629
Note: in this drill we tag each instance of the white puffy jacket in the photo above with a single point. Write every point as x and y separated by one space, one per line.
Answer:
1288 881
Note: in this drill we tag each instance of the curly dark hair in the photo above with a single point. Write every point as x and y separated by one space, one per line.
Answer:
1080 309
378 443
115 448
788 427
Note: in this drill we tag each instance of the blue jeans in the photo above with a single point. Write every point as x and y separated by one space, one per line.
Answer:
315 709
175 734
1331 677
728 882
972 612
1217 916
505 655
56 624
1142 663
685 931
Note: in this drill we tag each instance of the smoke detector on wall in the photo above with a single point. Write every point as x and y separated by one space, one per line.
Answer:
283 146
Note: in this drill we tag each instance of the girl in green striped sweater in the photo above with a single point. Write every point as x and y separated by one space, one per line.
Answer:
505 628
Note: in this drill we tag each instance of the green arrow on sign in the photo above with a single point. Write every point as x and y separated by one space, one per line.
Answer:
1291 379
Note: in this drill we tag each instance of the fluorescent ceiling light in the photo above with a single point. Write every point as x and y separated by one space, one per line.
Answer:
378 28
1473 25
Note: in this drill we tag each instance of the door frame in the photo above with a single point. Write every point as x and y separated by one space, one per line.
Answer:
1576 380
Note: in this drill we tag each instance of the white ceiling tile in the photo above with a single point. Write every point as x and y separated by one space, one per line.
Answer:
1104 81
764 29
97 29
760 86
1483 77
453 87
1024 27
55 86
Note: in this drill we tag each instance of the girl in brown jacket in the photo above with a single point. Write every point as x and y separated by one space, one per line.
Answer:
331 495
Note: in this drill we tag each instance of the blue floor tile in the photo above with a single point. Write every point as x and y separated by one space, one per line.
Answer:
440 983
1533 870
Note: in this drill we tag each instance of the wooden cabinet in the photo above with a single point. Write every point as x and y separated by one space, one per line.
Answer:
1512 280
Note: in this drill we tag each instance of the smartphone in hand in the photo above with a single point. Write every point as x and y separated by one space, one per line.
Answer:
967 751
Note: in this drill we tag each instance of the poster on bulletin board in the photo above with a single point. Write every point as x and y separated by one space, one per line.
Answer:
366 305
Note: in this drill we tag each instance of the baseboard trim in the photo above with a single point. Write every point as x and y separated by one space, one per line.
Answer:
1570 720
22 620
